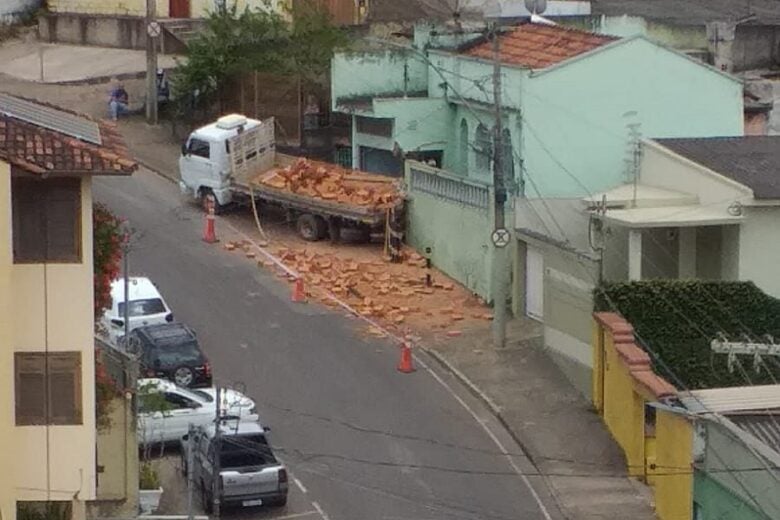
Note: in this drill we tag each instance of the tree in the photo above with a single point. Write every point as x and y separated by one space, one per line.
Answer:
299 45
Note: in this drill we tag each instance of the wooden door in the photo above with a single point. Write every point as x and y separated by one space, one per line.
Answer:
179 9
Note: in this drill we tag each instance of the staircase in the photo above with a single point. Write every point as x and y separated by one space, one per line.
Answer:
178 32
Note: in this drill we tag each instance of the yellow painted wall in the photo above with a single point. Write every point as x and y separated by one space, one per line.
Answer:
623 410
674 473
664 460
198 8
108 7
7 433
53 305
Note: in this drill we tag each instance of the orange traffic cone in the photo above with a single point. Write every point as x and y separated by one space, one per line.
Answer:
298 294
405 364
209 234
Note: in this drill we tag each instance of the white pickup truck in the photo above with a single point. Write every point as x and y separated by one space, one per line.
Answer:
249 474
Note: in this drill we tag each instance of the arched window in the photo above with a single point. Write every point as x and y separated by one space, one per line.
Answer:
483 145
463 151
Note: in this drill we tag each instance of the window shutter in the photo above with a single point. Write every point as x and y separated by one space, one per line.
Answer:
65 388
29 224
63 222
30 388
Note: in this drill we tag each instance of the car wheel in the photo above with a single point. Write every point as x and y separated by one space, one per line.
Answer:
183 376
278 502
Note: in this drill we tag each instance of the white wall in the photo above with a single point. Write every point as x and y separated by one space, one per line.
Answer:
10 10
664 169
759 248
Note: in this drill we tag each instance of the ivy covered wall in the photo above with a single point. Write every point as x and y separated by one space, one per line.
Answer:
679 318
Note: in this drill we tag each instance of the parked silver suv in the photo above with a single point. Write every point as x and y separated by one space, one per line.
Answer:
249 473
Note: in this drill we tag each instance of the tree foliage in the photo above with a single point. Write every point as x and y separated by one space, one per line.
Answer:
678 319
297 43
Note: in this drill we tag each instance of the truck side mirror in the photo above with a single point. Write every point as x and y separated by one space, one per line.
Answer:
184 148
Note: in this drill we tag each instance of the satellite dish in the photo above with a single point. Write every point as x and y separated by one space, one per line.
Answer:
536 6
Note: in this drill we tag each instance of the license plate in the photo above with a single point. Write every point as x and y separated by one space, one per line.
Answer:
250 503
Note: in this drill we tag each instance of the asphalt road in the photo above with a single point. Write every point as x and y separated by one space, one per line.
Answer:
363 441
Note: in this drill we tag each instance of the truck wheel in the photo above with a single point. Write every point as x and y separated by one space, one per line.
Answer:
205 193
311 227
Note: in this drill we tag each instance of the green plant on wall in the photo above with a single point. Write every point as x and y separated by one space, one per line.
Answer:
679 318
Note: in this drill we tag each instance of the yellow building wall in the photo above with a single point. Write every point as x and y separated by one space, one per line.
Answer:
53 308
7 432
198 8
662 458
674 472
623 409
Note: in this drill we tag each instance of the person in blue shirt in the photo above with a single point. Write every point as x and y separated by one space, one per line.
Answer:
118 100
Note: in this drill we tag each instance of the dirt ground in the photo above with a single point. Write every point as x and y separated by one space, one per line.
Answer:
396 296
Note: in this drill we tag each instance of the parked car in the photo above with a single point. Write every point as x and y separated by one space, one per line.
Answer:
146 306
165 410
249 473
169 351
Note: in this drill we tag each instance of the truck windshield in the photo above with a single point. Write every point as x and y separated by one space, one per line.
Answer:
245 450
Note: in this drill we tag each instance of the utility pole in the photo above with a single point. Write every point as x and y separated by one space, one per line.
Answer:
126 276
500 265
217 453
152 33
190 463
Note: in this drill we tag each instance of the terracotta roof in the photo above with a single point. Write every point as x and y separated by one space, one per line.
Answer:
753 161
39 150
537 46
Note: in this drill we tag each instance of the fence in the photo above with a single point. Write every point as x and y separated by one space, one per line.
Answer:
439 183
120 367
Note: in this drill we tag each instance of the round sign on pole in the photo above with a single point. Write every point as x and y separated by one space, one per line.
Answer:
500 237
153 29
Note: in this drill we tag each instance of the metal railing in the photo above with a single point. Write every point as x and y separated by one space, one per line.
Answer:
442 184
120 367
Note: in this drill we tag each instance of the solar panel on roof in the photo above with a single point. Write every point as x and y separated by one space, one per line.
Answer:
51 118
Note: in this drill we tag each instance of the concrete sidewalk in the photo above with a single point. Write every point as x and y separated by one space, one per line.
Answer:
558 429
28 60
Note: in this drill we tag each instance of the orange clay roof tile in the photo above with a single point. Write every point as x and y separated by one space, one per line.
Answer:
537 46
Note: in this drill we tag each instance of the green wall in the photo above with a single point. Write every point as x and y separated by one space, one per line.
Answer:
371 73
716 502
575 133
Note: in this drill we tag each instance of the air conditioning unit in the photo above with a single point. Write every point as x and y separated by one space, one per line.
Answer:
231 121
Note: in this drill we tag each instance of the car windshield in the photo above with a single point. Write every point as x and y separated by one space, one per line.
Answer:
178 354
245 450
142 307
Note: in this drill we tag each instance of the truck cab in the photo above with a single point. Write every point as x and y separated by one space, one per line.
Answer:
204 164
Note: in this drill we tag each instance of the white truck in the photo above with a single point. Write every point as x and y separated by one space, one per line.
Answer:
223 159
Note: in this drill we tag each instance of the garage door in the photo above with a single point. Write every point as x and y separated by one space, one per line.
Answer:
534 283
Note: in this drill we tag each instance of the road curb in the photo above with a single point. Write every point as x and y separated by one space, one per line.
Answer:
482 396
